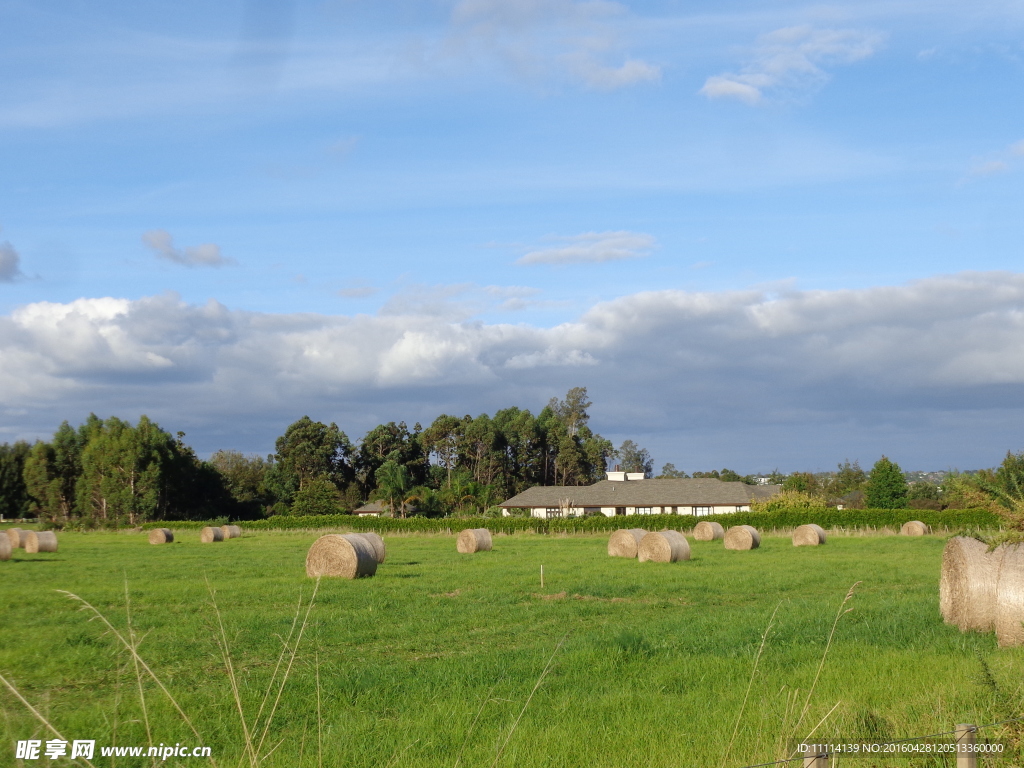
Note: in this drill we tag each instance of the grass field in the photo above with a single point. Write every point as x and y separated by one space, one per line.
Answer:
433 661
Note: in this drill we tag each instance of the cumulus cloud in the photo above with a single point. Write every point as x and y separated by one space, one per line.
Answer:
792 59
10 264
821 367
593 248
206 255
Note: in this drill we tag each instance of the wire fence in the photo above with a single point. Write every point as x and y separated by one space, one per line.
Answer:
827 760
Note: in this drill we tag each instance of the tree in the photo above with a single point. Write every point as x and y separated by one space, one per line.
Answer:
886 486
310 450
14 497
319 496
572 411
244 477
669 471
393 486
633 458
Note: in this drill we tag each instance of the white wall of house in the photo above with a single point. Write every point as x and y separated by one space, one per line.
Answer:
715 509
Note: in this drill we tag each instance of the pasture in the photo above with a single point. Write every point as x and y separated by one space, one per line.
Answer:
451 660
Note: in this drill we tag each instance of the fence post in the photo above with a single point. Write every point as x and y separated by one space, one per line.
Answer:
965 736
815 759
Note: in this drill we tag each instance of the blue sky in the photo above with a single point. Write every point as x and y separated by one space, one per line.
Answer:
762 234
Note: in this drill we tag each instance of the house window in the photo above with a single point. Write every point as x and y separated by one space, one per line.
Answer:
644 510
703 510
552 511
620 510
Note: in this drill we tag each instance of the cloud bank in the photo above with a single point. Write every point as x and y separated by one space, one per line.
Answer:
747 370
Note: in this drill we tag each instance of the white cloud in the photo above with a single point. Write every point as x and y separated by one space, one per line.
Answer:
792 59
538 38
10 264
593 248
206 255
823 367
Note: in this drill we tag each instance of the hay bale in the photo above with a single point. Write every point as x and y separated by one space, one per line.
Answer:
914 528
231 531
161 536
40 541
211 534
705 530
377 544
347 556
742 537
473 540
625 542
5 548
1009 603
967 587
663 547
809 535
16 537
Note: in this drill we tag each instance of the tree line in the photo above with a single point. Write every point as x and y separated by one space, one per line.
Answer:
113 473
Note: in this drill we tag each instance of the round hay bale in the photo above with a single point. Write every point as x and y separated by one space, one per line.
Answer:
161 536
377 544
211 534
16 537
5 548
663 547
231 531
742 537
625 542
1009 613
914 528
473 540
40 541
347 556
809 535
967 587
705 530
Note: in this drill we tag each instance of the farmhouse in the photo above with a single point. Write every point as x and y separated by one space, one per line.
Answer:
632 494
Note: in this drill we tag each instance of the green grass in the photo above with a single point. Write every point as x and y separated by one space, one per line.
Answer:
432 660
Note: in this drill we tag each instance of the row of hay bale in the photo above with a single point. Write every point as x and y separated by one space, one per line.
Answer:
982 589
206 536
355 555
31 541
345 555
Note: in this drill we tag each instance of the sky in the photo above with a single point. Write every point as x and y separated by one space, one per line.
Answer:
764 235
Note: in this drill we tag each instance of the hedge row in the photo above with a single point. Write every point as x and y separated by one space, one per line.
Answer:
956 519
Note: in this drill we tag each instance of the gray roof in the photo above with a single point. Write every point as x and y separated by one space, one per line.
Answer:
703 491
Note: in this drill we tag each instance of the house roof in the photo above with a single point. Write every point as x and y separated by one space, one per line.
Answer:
377 507
703 491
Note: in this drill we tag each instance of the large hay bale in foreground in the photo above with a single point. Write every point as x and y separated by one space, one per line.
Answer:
473 540
1009 613
16 537
742 537
161 536
809 535
209 535
914 528
625 542
40 541
377 545
706 530
663 547
231 531
967 587
347 556
5 548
